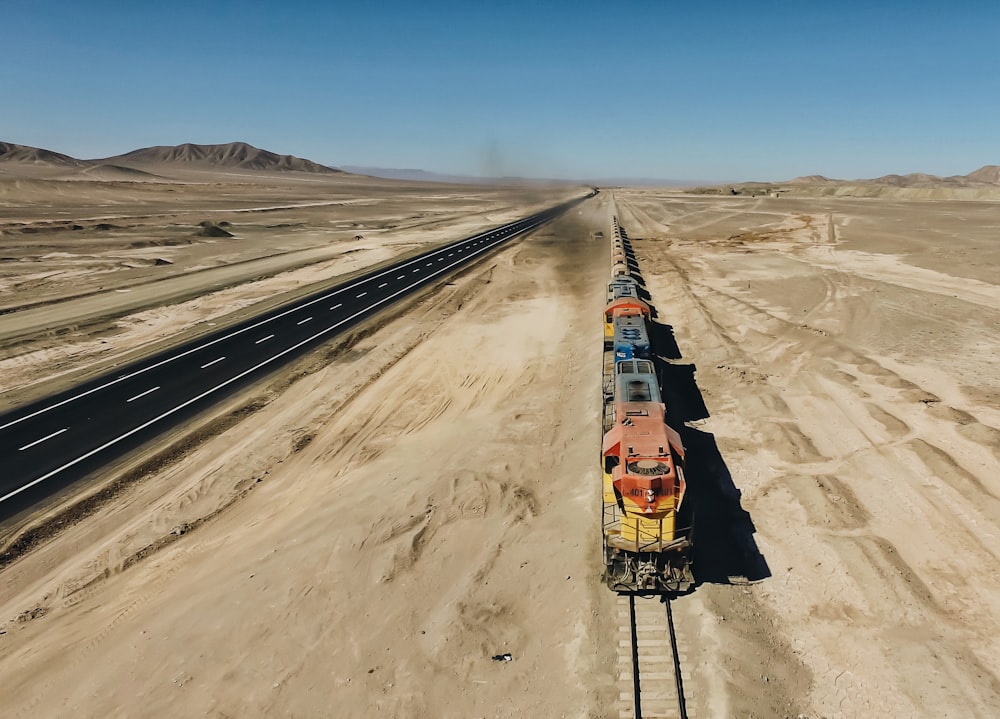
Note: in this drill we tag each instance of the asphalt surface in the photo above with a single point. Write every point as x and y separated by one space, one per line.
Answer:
52 443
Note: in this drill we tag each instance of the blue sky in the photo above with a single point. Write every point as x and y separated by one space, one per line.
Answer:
661 89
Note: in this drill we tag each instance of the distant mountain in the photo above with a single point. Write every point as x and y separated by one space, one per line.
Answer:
9 152
237 155
986 173
148 163
981 184
642 182
990 174
414 175
394 173
920 179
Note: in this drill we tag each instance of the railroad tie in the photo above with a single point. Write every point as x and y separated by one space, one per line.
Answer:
652 648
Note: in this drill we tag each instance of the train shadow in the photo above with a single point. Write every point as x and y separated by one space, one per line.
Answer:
725 551
661 336
680 392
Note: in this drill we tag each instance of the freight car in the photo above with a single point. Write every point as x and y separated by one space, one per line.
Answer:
646 522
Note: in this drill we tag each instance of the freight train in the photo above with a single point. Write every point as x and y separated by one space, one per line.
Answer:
646 522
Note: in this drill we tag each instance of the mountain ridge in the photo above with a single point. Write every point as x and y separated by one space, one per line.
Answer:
234 155
987 174
240 155
244 156
12 152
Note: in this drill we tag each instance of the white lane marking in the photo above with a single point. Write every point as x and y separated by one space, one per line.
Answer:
143 394
225 337
384 284
263 339
339 304
417 270
429 264
441 259
215 361
229 381
39 441
401 277
362 295
302 322
450 254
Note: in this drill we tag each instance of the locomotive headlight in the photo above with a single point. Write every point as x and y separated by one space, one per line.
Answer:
650 496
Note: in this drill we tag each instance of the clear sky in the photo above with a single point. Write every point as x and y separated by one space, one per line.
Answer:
662 89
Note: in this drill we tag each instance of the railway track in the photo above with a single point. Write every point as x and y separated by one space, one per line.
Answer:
650 678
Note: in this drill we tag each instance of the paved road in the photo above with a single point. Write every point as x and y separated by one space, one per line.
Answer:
49 444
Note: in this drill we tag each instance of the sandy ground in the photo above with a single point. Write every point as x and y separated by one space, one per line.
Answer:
846 353
383 521
359 535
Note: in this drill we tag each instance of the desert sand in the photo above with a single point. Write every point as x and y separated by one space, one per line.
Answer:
845 351
359 534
